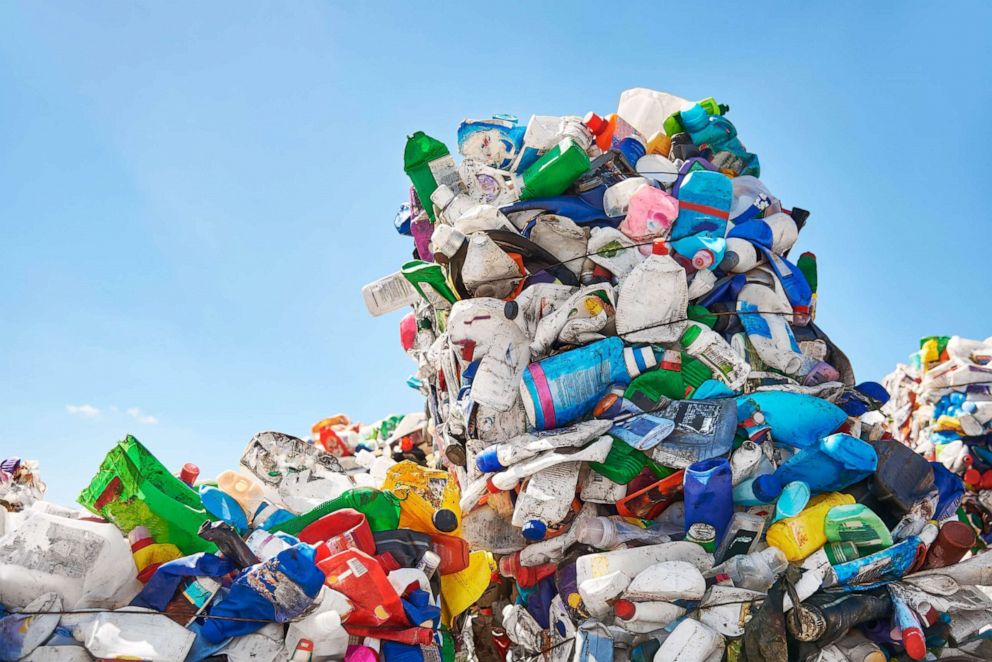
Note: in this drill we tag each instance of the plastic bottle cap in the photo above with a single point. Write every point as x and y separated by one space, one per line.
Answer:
913 642
973 477
189 473
445 521
406 444
766 488
689 336
488 461
987 480
595 123
535 529
703 259
508 565
624 609
511 309
659 247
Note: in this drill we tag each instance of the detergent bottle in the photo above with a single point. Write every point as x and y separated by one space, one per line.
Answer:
428 163
708 346
704 251
546 499
800 536
616 198
564 387
555 171
653 299
428 498
836 462
650 215
705 198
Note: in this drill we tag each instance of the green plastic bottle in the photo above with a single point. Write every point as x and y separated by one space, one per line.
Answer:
132 488
854 531
673 123
382 509
428 163
624 462
554 172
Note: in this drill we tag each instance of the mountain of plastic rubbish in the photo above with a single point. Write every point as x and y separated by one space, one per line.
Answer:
325 548
623 371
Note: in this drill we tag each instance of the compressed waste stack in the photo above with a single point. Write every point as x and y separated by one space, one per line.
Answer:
343 546
664 451
941 407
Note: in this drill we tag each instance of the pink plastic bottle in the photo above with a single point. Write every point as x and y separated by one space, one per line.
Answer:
650 216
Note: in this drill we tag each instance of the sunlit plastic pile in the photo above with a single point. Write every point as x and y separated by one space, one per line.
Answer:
295 555
663 450
941 407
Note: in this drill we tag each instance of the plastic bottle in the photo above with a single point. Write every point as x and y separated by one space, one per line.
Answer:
826 617
428 498
838 461
954 540
565 387
525 446
381 508
743 534
487 185
651 306
858 525
765 312
642 617
148 555
361 579
799 420
740 256
971 351
617 198
543 132
428 163
756 571
691 641
650 215
716 353
704 204
645 110
594 452
708 494
702 250
554 172
250 496
494 141
136 636
650 501
703 429
800 536
525 576
667 581
608 131
342 529
546 499
610 532
747 461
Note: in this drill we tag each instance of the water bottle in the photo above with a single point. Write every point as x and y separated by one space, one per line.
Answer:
756 571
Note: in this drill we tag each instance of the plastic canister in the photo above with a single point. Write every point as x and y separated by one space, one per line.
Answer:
429 499
650 214
362 580
651 306
691 641
708 494
803 534
716 353
340 530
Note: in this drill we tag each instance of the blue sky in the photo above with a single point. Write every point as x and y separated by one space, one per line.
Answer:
192 195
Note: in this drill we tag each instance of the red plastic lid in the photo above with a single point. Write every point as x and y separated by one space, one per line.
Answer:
659 247
987 480
406 444
624 609
973 477
595 123
913 642
189 473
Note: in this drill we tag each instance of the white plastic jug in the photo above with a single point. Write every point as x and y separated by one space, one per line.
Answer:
323 627
653 299
643 617
488 271
561 237
147 635
613 250
666 582
616 198
86 563
691 641
646 110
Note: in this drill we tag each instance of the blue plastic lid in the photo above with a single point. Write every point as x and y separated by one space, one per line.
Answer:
488 462
535 529
445 520
766 488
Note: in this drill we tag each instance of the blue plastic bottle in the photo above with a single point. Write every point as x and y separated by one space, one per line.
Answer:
709 494
565 387
834 463
704 251
792 500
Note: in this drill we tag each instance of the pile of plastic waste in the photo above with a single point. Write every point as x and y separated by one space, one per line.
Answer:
663 450
941 407
341 546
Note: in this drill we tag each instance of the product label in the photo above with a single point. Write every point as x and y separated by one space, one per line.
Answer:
388 294
357 567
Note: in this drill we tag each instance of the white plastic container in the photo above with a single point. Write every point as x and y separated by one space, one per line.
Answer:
546 499
643 617
613 250
646 110
594 452
616 198
148 636
666 582
691 641
388 294
653 299
86 563
561 237
716 353
323 628
771 337
526 446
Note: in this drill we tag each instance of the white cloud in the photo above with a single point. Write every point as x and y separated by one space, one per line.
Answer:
86 411
137 415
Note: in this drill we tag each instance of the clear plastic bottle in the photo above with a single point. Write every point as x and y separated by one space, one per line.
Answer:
610 532
756 571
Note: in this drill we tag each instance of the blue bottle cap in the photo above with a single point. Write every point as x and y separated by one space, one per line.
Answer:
766 488
445 521
488 462
535 529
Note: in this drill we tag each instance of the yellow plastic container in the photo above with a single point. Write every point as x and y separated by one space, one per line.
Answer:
428 498
800 536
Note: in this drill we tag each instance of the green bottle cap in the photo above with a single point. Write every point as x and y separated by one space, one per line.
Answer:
689 335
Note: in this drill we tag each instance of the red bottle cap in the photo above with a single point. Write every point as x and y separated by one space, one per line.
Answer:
914 643
987 480
624 609
189 473
595 123
973 478
703 259
406 444
659 247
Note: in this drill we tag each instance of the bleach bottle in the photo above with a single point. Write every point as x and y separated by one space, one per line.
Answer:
653 299
836 462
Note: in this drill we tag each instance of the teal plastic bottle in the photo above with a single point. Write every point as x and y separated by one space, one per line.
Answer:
836 462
